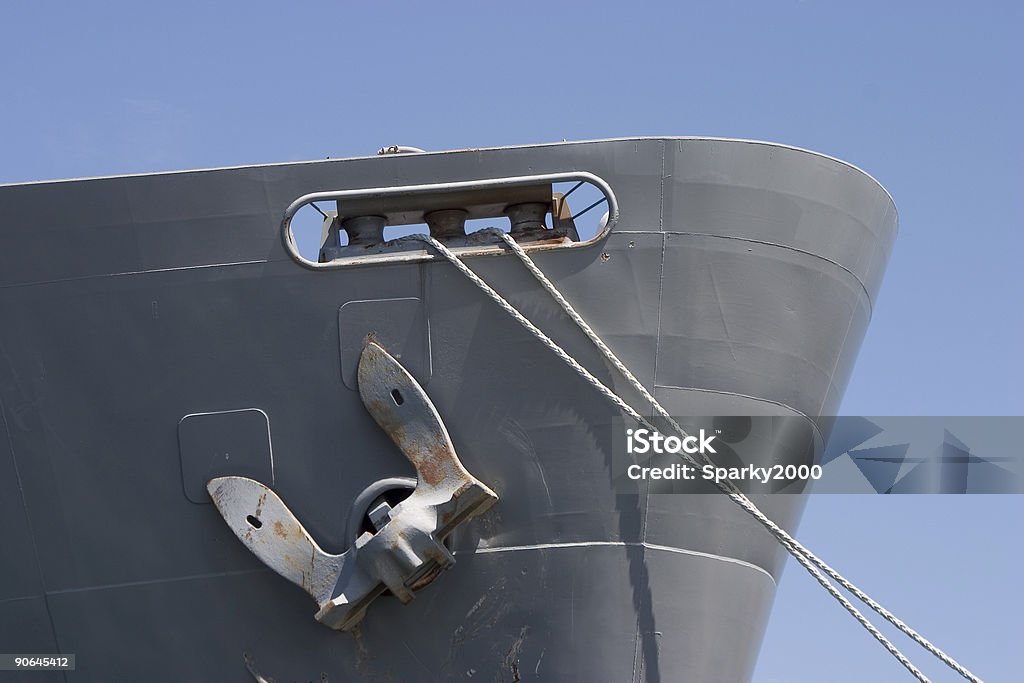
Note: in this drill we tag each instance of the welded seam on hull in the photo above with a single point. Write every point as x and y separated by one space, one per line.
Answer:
171 269
839 357
22 598
154 582
661 278
796 413
767 244
638 660
28 515
616 544
661 299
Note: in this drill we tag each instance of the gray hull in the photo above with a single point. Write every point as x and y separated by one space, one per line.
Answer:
738 279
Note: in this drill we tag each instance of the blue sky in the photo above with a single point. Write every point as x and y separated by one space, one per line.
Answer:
929 101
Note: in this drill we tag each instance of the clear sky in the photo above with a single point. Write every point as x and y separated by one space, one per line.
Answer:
926 98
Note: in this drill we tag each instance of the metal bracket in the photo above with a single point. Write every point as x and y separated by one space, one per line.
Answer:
408 551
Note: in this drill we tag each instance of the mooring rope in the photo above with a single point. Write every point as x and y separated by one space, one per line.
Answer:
808 560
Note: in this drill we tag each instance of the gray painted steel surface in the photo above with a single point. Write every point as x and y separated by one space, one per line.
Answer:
739 279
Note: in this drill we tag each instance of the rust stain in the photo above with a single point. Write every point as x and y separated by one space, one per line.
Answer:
296 563
426 579
430 470
259 504
280 530
512 656
362 654
435 463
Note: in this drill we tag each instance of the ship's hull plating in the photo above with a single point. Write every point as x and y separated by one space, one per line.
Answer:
739 279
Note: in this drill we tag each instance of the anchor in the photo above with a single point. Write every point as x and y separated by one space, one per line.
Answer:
407 550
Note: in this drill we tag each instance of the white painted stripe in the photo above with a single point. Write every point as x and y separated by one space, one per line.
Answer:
618 544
